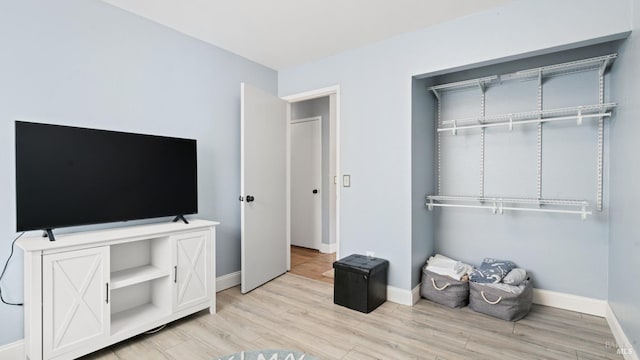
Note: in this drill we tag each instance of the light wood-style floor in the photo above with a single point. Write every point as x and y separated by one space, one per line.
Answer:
311 263
297 313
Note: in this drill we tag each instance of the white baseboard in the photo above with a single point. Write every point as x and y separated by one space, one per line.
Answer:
399 296
12 351
570 302
415 294
328 248
623 345
228 281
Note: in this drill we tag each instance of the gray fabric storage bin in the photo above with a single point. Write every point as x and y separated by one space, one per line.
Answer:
501 304
444 289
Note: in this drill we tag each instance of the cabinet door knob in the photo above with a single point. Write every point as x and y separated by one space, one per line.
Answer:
315 191
250 198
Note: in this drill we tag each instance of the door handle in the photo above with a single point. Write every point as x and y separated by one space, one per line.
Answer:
250 198
107 296
175 274
315 191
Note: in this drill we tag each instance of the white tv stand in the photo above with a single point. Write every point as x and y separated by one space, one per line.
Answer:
88 290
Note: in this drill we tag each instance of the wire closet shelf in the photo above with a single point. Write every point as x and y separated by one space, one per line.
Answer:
578 113
600 63
498 205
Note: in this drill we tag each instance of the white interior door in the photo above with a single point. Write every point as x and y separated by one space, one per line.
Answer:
263 187
306 180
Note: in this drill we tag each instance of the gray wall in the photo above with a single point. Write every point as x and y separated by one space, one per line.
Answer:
624 247
311 108
86 63
423 108
375 102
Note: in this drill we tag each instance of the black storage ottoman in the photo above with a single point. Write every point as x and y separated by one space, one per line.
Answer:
360 282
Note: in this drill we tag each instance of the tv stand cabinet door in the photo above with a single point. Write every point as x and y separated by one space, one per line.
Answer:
192 269
75 301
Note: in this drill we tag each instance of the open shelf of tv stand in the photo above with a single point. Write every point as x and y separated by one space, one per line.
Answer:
127 281
131 318
127 277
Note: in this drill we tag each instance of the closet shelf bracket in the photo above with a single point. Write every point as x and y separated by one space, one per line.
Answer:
461 85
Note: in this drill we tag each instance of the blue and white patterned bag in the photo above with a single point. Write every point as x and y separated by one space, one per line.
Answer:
491 271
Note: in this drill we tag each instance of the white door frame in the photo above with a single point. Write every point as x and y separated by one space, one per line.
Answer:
334 142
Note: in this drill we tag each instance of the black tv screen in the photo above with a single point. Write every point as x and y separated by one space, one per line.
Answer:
68 176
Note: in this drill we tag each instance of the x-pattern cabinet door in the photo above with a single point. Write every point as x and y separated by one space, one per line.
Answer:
192 272
75 300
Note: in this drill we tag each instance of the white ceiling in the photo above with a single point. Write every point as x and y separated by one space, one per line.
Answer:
285 33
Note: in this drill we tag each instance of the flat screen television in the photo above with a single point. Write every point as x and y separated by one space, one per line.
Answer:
69 176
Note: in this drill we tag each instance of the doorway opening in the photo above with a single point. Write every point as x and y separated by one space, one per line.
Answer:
312 183
312 264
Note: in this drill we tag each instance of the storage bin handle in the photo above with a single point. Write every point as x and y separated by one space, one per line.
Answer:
433 281
490 302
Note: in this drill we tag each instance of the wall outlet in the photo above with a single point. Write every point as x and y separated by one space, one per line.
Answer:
346 180
370 254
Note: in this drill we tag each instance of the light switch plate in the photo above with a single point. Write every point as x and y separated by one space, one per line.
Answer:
346 180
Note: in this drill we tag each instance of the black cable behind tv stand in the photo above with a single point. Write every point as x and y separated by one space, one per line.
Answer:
49 233
180 217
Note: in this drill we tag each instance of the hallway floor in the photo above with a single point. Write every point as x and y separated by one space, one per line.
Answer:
311 263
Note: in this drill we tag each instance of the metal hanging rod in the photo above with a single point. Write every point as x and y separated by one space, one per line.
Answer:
497 205
579 117
512 200
601 63
498 209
